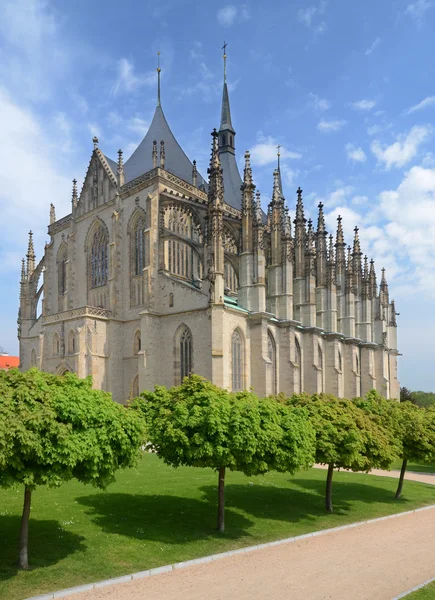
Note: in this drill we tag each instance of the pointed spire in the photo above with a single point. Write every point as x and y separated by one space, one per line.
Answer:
331 257
154 154
366 268
74 200
30 255
216 185
300 218
356 243
383 289
194 174
321 229
247 173
226 129
340 236
258 211
310 235
287 224
278 148
23 270
52 214
372 280
277 198
393 320
158 78
120 170
162 154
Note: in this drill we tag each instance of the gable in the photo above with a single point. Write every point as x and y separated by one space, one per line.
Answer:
100 183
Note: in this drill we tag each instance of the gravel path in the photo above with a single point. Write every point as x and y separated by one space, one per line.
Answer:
375 561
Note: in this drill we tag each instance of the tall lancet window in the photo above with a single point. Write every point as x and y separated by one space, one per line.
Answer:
99 258
271 352
185 353
237 361
61 269
139 246
298 363
320 366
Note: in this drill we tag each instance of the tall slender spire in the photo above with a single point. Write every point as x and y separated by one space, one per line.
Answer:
194 174
299 218
226 129
216 186
321 249
158 78
120 170
74 200
30 255
321 230
372 280
278 148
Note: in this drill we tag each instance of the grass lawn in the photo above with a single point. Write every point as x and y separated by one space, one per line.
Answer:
426 593
155 515
417 467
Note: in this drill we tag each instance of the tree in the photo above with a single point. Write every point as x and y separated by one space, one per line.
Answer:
346 437
413 428
198 424
425 399
405 395
53 429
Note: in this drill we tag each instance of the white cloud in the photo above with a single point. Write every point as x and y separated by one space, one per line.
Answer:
359 200
265 152
355 154
403 150
428 101
330 126
312 17
317 103
373 46
374 129
364 104
128 81
417 9
26 149
230 14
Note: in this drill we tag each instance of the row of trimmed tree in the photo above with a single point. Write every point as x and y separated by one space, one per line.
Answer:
53 429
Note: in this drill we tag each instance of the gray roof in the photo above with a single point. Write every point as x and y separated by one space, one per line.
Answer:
141 160
226 112
232 180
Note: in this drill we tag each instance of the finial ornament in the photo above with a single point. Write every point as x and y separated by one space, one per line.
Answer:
194 174
154 154
95 142
162 154
158 78
224 48
52 214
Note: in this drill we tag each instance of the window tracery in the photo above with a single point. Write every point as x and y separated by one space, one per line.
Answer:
99 258
237 361
139 246
185 344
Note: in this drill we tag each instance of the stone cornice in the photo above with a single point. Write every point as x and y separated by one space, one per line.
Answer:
84 311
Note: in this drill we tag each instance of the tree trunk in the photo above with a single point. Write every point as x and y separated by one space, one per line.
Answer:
221 500
23 561
401 478
328 499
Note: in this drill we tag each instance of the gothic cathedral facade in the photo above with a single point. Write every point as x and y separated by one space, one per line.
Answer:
157 273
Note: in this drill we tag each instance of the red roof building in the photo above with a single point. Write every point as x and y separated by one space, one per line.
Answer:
9 362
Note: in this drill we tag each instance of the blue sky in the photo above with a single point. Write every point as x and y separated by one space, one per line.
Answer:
346 88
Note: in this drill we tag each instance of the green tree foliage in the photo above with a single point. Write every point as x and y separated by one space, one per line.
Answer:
346 437
412 426
198 424
425 399
405 395
55 428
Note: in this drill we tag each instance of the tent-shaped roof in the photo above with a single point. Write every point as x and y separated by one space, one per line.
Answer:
141 160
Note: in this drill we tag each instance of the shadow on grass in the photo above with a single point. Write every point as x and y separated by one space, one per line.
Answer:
48 544
163 518
306 504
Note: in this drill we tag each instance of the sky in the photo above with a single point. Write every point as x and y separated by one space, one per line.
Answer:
346 88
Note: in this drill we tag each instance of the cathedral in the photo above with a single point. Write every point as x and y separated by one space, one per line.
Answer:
157 273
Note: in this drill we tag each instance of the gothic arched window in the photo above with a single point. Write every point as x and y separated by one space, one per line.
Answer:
99 258
139 246
237 361
298 362
185 351
271 353
61 270
320 366
135 387
231 281
137 342
71 343
56 344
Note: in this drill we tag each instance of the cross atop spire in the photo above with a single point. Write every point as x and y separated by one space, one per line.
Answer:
158 78
224 48
300 218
